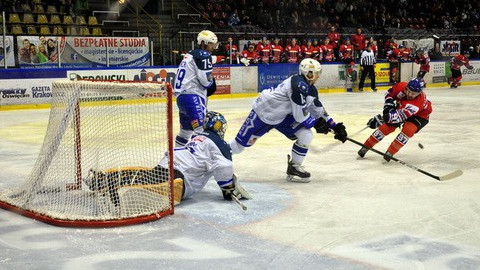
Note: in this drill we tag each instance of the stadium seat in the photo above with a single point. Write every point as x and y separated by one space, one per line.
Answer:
45 30
17 30
92 20
68 20
97 31
58 30
55 19
72 31
31 30
38 9
26 8
84 31
42 19
80 20
28 18
51 9
14 18
36 2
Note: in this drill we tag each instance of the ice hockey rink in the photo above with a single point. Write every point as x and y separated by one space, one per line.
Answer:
354 214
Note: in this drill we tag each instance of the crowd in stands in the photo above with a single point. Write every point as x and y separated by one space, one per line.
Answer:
321 14
58 17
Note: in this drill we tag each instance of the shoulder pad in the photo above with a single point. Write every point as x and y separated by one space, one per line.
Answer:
199 53
222 145
299 84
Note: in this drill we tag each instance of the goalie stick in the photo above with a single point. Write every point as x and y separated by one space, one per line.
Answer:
235 199
446 177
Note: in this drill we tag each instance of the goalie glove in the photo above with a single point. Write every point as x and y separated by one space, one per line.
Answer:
236 190
245 61
375 121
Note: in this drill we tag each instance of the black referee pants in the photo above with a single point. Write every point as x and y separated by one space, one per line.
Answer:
371 74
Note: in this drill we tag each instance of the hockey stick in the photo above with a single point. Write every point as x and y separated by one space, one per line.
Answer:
446 177
235 199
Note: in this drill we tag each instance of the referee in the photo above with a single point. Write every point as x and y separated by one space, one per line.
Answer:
367 66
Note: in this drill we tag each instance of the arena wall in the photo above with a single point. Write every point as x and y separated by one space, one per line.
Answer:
31 88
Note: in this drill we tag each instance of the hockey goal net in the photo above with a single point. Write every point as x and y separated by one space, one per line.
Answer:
98 163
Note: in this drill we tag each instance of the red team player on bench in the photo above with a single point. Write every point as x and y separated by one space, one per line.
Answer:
406 107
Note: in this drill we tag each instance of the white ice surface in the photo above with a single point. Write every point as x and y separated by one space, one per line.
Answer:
354 214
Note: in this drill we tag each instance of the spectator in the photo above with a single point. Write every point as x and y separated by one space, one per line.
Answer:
475 54
234 19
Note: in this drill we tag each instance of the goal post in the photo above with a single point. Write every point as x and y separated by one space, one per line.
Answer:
99 157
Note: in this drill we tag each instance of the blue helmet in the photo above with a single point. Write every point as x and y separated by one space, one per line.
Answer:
416 85
215 122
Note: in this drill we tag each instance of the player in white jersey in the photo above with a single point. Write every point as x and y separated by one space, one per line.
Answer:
207 155
292 108
193 83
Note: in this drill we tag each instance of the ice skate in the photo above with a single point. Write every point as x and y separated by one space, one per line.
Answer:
296 172
362 151
388 156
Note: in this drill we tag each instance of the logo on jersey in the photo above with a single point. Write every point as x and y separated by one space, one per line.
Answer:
194 123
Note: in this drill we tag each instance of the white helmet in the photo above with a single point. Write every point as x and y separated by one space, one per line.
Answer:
307 65
207 37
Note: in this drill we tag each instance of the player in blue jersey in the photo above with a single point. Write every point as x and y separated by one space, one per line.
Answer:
207 155
292 108
193 84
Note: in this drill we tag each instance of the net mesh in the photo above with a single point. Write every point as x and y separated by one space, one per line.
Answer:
98 161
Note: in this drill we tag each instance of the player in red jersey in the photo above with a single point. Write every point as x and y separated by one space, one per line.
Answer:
406 53
345 53
406 106
327 51
424 61
317 52
293 51
234 53
358 42
374 46
307 50
455 64
334 37
277 51
250 55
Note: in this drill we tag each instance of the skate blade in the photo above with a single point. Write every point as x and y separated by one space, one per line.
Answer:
296 179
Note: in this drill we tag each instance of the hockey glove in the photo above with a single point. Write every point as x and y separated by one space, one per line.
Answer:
388 107
212 88
321 126
236 190
340 132
309 122
375 121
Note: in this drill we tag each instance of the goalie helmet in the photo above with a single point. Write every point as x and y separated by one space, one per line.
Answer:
207 36
309 65
215 122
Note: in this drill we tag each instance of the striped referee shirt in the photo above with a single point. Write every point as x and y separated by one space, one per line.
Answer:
367 58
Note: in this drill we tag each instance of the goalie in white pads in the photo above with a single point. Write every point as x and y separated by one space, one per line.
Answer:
292 108
206 155
193 84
